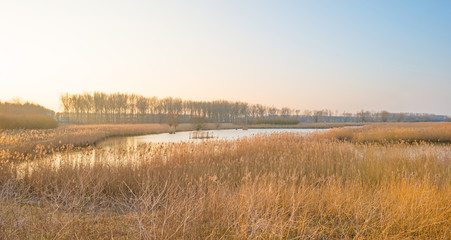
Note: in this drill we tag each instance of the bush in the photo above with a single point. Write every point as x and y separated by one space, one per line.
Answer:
29 121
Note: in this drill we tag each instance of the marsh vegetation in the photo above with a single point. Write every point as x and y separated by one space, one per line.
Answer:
282 185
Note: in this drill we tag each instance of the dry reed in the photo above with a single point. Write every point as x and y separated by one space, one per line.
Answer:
394 132
271 186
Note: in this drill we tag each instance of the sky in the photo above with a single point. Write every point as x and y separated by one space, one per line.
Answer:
338 55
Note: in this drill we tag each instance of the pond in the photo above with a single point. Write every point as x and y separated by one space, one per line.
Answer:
190 136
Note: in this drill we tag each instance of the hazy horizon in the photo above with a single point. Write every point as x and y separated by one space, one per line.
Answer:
343 56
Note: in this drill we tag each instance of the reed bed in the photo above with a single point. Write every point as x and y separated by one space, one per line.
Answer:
394 132
284 186
319 125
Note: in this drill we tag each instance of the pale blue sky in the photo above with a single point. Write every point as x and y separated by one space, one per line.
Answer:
339 55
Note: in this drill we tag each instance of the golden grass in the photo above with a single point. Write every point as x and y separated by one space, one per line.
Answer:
278 186
394 132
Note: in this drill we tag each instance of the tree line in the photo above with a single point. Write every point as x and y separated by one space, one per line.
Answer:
99 107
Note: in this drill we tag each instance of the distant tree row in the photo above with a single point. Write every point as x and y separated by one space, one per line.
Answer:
368 116
99 107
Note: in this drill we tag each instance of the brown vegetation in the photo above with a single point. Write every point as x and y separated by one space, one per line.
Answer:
394 132
31 121
322 125
18 108
18 115
276 186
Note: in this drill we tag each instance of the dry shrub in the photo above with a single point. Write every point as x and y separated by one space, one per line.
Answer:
27 121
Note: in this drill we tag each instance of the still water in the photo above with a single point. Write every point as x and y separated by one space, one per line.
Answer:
230 134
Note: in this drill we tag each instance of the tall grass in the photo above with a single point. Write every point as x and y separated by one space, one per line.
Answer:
320 125
270 186
394 132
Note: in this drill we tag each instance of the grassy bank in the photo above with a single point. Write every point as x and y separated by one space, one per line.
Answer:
277 186
309 125
394 132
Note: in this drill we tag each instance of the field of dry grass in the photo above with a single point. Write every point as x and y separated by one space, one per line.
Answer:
395 132
278 186
319 125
